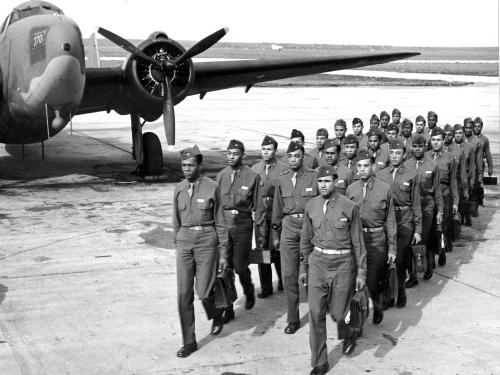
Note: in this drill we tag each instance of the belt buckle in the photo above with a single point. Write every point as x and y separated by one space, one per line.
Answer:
234 212
197 228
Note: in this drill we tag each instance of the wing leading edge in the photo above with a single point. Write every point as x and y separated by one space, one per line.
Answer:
211 76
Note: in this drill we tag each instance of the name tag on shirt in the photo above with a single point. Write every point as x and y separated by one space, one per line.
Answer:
200 200
340 181
244 187
343 219
381 163
309 189
429 172
406 184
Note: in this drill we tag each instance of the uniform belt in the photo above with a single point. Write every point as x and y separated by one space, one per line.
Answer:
234 212
332 251
373 230
296 215
199 227
444 183
401 208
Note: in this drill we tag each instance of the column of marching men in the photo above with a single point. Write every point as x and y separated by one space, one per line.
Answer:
334 218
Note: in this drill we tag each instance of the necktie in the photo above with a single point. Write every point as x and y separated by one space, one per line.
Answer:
435 156
190 190
267 168
319 154
364 191
349 162
325 207
294 179
232 176
394 174
418 164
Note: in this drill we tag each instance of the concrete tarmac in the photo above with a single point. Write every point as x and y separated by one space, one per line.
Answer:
87 261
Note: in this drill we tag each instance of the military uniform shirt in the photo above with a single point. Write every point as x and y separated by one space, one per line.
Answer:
428 174
486 153
203 208
243 194
405 189
376 208
447 171
459 155
344 179
381 159
362 141
478 152
319 155
470 162
338 229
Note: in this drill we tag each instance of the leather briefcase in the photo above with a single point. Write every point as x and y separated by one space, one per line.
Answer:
489 180
358 310
419 257
260 256
224 288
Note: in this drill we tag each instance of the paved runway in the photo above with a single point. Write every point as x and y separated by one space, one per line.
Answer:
87 262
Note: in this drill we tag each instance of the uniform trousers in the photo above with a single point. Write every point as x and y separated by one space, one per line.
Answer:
196 257
376 259
331 284
290 261
265 270
447 216
240 231
404 218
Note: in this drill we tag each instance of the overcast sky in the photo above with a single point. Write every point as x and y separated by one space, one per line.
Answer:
379 22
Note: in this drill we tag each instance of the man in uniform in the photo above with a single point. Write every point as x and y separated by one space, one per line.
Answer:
374 121
381 155
470 169
379 225
478 152
295 187
319 151
357 128
384 123
448 179
340 129
406 136
396 118
269 169
345 175
333 265
485 145
309 160
431 200
405 188
350 151
421 129
199 229
239 187
432 119
392 133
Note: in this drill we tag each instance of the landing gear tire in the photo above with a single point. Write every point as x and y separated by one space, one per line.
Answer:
153 155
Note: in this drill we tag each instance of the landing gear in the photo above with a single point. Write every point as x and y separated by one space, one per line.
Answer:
146 150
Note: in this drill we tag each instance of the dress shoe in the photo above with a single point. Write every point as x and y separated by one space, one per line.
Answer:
320 370
291 328
264 294
401 301
378 316
187 349
349 344
442 259
217 325
227 316
468 221
387 304
411 282
250 301
280 286
428 274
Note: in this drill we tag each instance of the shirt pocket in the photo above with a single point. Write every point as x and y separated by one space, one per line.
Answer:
308 192
444 175
181 204
341 184
405 186
341 232
426 180
204 205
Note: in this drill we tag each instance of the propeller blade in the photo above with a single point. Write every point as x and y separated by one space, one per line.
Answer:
168 113
126 45
202 45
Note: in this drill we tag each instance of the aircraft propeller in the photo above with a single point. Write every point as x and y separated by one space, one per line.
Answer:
167 67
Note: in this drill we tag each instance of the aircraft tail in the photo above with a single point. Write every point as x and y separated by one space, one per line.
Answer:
94 60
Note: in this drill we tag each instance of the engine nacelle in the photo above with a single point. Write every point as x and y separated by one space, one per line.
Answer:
146 79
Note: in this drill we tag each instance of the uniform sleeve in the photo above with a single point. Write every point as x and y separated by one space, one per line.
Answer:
306 245
453 181
256 195
479 160
358 244
278 205
315 163
487 155
391 227
176 220
463 173
220 224
416 205
350 178
438 192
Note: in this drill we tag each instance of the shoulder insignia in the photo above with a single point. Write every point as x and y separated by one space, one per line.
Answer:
285 172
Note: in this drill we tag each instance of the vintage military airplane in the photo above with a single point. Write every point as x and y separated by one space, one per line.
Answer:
44 81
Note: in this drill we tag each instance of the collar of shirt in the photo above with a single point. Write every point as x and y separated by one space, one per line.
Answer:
332 198
370 182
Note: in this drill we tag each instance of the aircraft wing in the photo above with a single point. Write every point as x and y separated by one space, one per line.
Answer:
211 76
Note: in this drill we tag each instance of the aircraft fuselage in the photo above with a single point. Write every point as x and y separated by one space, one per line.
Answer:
42 63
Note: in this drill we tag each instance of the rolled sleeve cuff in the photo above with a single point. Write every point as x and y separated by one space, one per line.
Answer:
362 273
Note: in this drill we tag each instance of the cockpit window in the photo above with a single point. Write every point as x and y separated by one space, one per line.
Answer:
18 14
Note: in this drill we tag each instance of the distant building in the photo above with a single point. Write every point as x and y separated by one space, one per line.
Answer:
276 47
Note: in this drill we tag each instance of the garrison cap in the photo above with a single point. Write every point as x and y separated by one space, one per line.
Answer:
322 132
326 170
374 117
364 154
431 114
296 134
395 145
436 131
357 120
374 131
458 127
190 152
478 120
331 143
392 126
234 143
384 113
406 122
448 128
294 146
351 139
420 118
468 120
268 140
418 139
396 111
341 123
